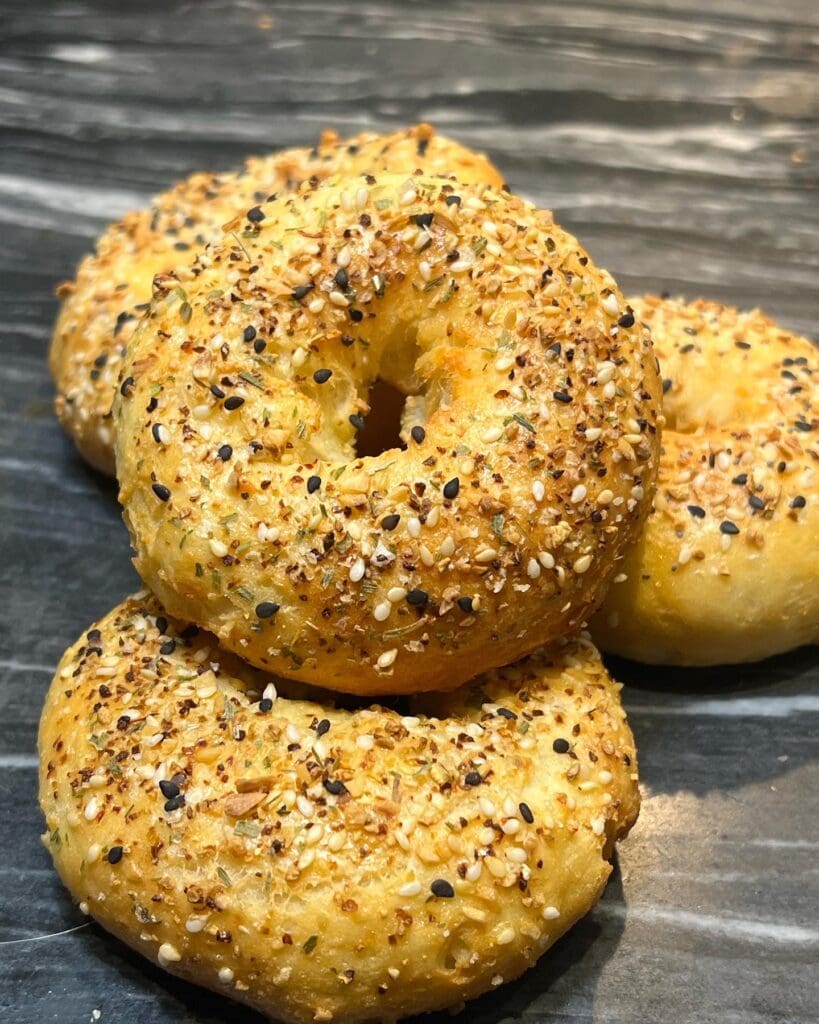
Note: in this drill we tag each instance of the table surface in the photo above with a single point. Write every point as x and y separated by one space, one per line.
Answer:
678 140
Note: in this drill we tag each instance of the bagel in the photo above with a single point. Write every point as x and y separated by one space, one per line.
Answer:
101 306
322 864
727 568
492 533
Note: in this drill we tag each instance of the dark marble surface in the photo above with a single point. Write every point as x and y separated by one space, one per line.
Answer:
679 140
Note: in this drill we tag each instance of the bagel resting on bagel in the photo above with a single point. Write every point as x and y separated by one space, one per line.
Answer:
493 532
322 864
102 305
727 567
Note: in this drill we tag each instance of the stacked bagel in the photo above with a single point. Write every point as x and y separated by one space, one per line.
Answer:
210 796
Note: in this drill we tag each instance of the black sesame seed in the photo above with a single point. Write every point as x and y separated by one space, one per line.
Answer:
161 491
168 647
313 484
507 714
356 316
799 501
417 598
418 434
451 488
347 340
266 608
152 404
301 290
216 391
115 855
742 344
162 624
175 802
560 746
473 779
156 432
168 788
756 502
225 452
666 385
249 333
526 813
101 360
234 402
453 200
322 376
626 320
423 220
390 522
441 888
259 345
255 215
696 511
265 705
127 387
561 396
323 727
465 604
342 279
803 426
741 479
726 526
357 421
335 787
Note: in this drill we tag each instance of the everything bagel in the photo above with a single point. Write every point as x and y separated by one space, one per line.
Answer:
727 568
321 864
102 305
497 528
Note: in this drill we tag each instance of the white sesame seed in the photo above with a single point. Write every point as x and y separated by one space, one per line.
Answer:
316 305
610 304
492 434
605 777
605 372
218 548
496 867
621 577
427 557
168 954
447 548
195 924
609 391
225 975
357 570
505 937
396 594
410 889
511 826
414 526
546 559
473 872
365 742
533 569
538 490
582 564
487 807
91 809
299 357
637 493
382 611
425 270
343 257
517 855
306 859
504 363
433 516
270 692
550 913
486 555
578 494
361 197
337 298
407 197
305 806
92 854
724 460
387 658
593 433
605 497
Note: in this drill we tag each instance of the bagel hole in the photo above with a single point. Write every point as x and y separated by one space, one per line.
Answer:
382 424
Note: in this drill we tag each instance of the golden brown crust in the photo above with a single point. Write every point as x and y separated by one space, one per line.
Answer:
322 864
101 307
727 568
492 533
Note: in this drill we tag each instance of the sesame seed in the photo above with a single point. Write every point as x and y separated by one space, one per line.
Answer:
357 570
418 434
441 888
578 494
560 746
225 452
626 320
160 433
126 388
234 402
249 333
505 936
390 522
451 488
225 975
382 611
341 279
465 604
492 434
265 609
357 421
533 568
550 913
727 527
696 511
610 304
338 299
115 855
168 954
302 290
538 490
218 548
322 376
453 200
161 491
582 564
387 658
473 779
410 889
561 396
255 215
798 502
216 391
417 598
313 484
526 813
168 788
335 787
